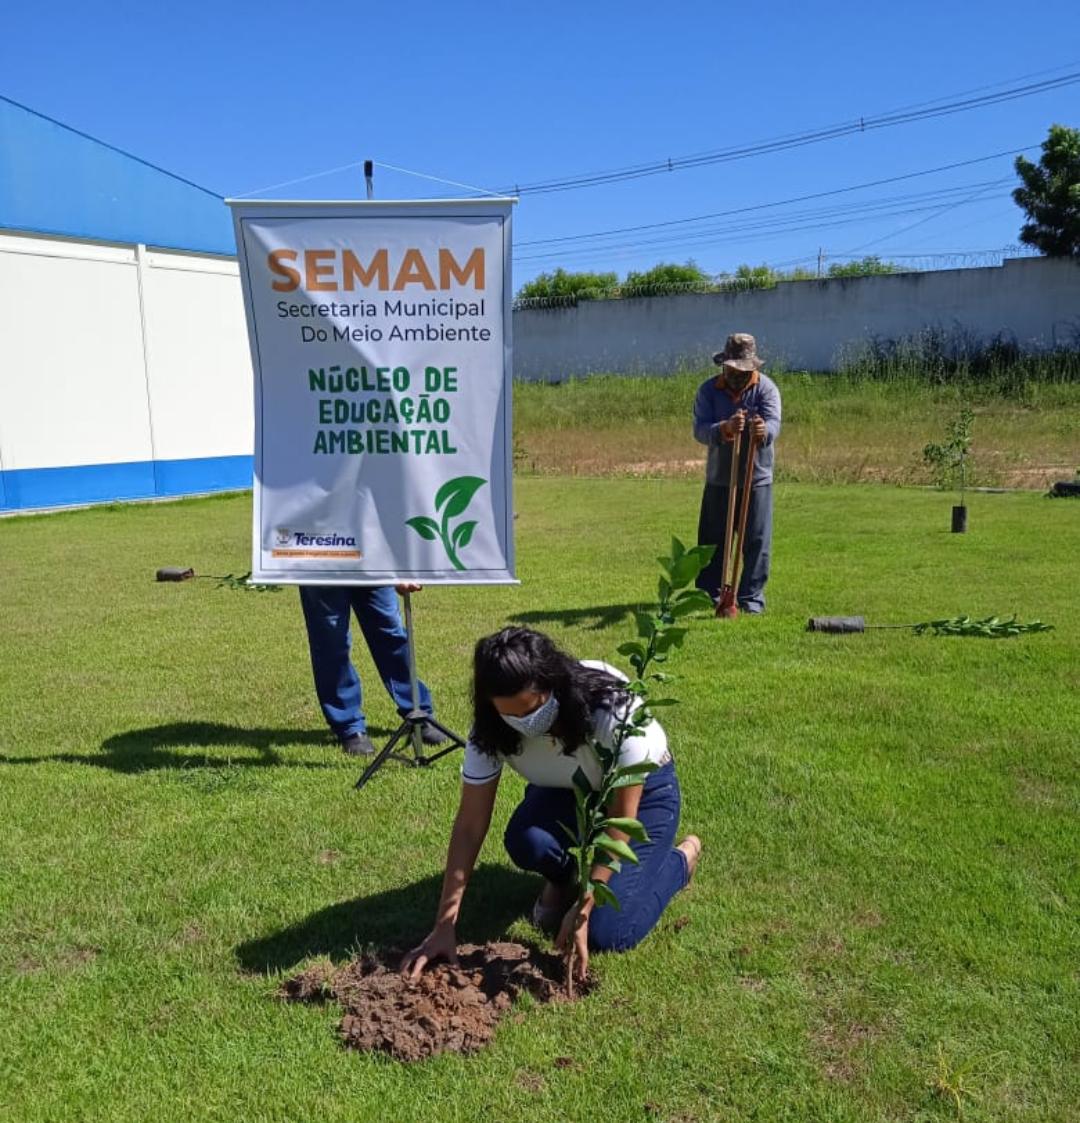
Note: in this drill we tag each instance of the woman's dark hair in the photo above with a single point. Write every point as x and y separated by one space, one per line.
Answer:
517 659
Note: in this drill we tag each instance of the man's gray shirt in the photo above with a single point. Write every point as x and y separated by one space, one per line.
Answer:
714 405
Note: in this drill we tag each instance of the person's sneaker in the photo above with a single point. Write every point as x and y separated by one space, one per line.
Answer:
430 735
547 918
358 744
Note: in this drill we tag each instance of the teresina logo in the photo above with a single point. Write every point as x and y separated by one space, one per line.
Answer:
299 538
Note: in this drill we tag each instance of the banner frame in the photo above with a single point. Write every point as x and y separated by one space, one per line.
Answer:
244 209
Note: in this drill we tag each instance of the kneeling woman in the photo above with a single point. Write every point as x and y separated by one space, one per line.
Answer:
537 709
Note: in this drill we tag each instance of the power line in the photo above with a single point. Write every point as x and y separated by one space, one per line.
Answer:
928 218
797 140
776 203
812 219
742 234
485 191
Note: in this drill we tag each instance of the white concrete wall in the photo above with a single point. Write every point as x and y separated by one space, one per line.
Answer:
72 383
199 365
123 372
801 324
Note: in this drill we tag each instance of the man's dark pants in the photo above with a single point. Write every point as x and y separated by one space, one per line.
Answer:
754 572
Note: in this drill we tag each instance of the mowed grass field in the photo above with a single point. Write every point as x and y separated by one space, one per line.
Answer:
884 925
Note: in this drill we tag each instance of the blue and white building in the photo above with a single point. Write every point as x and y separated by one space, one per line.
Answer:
124 364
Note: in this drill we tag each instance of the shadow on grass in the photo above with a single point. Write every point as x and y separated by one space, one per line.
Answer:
591 619
395 918
142 750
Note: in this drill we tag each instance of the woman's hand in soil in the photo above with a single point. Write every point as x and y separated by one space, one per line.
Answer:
574 932
441 943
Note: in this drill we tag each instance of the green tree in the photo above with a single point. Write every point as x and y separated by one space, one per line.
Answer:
752 277
864 267
1050 195
575 286
664 278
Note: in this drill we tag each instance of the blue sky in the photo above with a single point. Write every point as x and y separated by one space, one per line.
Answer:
240 96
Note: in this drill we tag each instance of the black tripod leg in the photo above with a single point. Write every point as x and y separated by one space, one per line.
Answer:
441 753
384 753
405 730
456 741
456 738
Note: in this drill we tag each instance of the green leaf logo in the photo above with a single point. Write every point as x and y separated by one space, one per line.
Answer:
425 527
451 500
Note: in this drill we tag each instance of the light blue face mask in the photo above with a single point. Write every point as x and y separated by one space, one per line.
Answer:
538 722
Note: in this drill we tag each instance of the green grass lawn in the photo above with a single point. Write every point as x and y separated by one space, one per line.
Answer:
889 887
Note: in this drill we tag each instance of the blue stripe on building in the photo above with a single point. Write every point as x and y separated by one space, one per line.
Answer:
26 488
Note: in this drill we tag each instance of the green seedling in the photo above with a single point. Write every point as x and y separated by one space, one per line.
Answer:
949 459
242 582
990 627
600 839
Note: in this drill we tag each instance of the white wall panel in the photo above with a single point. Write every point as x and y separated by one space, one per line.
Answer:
198 360
72 381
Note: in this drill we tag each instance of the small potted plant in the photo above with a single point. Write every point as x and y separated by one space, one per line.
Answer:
949 462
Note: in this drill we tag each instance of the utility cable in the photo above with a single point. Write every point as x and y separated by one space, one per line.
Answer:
797 140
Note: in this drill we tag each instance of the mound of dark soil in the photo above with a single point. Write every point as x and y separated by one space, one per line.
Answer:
448 1008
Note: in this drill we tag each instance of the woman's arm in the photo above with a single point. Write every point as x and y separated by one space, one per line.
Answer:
470 829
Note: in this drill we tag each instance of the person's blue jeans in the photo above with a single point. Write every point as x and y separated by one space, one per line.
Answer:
327 610
536 842
756 550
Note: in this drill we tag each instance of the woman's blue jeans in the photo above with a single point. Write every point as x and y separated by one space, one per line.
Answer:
535 841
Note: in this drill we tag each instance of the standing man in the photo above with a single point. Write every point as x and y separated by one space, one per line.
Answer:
740 399
327 612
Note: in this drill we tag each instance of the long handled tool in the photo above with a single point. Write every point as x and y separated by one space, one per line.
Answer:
726 606
992 627
744 511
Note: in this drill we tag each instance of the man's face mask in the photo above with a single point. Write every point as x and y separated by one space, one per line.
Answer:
538 722
738 379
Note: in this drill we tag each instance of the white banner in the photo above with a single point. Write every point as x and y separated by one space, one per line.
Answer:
380 339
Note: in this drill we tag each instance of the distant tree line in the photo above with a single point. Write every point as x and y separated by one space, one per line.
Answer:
668 277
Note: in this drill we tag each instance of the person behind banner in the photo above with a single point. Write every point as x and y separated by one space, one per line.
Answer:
537 709
327 614
739 400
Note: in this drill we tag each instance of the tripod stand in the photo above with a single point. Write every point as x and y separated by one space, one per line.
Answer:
412 723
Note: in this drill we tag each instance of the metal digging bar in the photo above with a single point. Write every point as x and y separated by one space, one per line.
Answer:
726 608
842 624
990 627
744 511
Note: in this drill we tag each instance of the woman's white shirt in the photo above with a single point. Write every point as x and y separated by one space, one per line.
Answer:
543 762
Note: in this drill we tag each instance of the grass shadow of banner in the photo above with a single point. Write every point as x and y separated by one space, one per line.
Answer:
591 619
162 747
394 918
